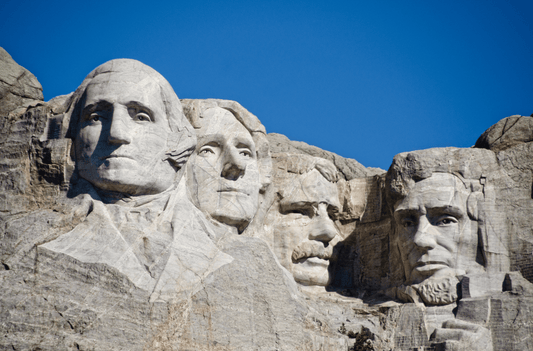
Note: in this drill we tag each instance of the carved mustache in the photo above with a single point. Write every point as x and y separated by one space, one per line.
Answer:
312 249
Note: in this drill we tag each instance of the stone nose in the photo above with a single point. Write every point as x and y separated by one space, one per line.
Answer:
424 237
119 129
322 228
234 167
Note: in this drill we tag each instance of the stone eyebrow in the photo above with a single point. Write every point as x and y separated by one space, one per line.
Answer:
138 104
93 106
447 209
97 105
244 142
401 210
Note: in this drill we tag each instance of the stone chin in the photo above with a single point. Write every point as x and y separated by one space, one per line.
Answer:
438 291
120 176
234 208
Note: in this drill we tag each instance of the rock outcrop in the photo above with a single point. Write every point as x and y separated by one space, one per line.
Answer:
18 87
132 221
349 168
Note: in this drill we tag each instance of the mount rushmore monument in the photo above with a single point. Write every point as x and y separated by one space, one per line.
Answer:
133 220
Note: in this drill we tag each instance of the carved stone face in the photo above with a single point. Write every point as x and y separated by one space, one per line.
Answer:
304 230
223 173
436 236
122 137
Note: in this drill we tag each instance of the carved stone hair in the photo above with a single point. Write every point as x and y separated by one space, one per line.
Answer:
182 140
194 108
479 171
286 167
286 163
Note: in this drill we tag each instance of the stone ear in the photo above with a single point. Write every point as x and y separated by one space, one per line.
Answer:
181 148
179 157
472 205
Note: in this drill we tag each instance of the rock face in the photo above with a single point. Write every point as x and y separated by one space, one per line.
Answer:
17 85
506 133
348 168
131 220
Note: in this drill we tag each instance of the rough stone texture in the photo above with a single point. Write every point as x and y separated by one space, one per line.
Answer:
230 169
73 273
349 168
300 224
18 86
208 288
507 132
511 140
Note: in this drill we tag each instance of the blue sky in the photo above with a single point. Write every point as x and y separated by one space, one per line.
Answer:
364 79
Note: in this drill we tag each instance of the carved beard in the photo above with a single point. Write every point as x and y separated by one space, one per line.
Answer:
432 291
439 291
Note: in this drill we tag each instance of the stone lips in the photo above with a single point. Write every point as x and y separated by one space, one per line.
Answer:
312 249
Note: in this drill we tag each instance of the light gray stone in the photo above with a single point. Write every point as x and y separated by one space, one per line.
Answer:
114 234
102 248
448 220
348 168
230 168
300 224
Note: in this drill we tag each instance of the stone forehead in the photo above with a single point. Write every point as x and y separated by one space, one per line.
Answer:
441 181
139 78
219 120
194 111
128 66
131 71
286 165
310 187
420 164
432 191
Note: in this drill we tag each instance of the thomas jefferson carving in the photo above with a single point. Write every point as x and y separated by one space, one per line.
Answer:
230 167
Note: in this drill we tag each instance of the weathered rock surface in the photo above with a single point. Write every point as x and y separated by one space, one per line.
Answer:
349 168
506 133
332 256
512 143
18 86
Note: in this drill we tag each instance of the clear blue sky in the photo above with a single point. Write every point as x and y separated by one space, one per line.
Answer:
364 79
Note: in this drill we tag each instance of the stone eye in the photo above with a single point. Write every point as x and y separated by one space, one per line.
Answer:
94 117
333 214
446 221
205 151
407 222
139 115
300 211
246 153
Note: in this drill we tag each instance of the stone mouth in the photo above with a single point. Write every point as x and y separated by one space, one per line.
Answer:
312 249
232 190
428 263
116 156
